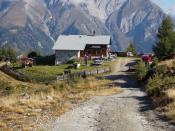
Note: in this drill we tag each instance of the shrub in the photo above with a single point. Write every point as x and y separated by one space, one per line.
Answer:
8 53
168 82
154 85
158 84
174 63
155 62
141 70
161 70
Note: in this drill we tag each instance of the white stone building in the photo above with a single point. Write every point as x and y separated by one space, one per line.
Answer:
68 47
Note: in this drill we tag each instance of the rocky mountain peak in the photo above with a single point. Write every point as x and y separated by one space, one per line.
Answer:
97 8
37 23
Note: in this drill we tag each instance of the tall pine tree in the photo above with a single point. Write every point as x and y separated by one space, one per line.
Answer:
165 47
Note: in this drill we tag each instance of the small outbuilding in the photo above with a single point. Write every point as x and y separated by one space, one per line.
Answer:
68 47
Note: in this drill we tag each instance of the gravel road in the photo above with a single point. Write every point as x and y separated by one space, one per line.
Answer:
128 111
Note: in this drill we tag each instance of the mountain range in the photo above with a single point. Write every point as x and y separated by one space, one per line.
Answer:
35 24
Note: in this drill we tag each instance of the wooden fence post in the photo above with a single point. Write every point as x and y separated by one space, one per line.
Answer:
83 74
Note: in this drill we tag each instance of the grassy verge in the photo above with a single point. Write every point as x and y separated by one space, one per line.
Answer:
165 104
26 106
159 81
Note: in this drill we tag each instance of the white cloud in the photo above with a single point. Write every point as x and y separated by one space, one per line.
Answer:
171 10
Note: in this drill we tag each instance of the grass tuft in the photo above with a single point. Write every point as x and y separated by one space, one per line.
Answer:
33 99
2 124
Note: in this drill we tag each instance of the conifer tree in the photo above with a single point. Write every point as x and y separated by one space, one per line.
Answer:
165 47
131 48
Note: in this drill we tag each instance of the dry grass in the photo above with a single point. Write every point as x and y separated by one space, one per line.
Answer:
2 124
170 112
11 118
171 93
166 104
17 111
169 63
7 101
170 108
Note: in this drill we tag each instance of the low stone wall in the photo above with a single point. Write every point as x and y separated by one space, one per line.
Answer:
83 74
19 76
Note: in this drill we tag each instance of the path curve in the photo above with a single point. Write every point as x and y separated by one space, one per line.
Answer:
129 111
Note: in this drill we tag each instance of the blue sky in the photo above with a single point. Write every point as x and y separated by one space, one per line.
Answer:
167 5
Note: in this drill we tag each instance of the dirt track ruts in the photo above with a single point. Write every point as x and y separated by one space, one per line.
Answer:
128 111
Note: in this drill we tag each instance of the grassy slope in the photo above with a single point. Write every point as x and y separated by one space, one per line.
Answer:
42 73
169 108
52 100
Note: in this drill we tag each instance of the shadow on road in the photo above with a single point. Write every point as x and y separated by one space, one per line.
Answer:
126 80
